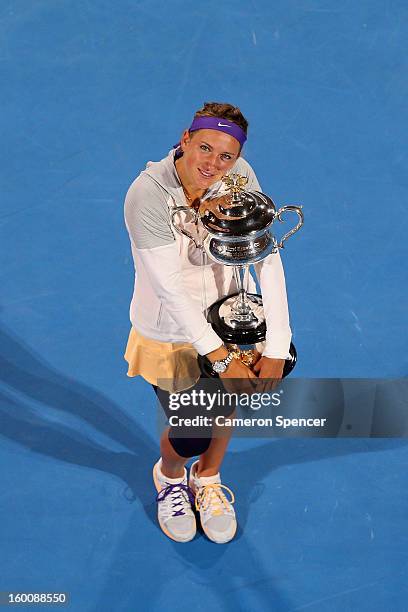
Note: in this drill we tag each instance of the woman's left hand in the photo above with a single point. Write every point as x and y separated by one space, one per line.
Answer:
271 368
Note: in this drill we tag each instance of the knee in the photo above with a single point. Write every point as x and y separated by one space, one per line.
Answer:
189 447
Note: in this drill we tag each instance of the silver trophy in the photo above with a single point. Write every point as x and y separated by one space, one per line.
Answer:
238 233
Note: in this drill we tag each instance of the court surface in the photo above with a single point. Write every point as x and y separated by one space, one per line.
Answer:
91 91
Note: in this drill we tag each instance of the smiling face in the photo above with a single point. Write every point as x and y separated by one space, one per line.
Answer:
208 156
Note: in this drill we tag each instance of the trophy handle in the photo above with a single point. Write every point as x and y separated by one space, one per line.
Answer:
299 212
182 231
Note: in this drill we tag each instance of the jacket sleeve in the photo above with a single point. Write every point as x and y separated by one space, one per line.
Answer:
273 288
155 250
163 266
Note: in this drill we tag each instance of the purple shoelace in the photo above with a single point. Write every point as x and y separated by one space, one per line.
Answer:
177 500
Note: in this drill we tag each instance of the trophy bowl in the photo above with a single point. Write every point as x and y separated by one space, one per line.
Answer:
238 234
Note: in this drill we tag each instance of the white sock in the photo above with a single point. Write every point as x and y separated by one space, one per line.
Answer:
205 480
164 477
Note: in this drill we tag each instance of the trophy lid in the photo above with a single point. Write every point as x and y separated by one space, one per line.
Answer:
238 212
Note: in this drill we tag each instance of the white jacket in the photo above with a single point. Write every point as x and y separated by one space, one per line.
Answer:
173 283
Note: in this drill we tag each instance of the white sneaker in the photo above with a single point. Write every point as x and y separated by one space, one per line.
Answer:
174 511
216 512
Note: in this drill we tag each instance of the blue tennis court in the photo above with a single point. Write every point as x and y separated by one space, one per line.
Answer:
92 91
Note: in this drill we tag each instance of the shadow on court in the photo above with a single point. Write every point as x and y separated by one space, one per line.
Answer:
33 380
28 380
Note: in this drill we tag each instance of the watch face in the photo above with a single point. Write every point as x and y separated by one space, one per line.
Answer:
219 367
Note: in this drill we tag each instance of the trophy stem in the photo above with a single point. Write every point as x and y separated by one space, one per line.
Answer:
241 306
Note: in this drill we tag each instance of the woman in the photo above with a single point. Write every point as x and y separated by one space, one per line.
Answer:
173 288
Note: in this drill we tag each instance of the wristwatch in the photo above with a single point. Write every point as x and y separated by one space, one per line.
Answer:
220 366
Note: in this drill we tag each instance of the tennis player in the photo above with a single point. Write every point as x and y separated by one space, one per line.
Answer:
174 286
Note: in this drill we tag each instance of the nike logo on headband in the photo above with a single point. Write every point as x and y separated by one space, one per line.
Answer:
223 125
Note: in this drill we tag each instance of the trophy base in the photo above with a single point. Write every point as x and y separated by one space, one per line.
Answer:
246 332
246 329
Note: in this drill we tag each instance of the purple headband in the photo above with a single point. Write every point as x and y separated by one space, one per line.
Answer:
222 125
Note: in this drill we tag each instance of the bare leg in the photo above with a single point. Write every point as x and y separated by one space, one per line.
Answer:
210 462
172 464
